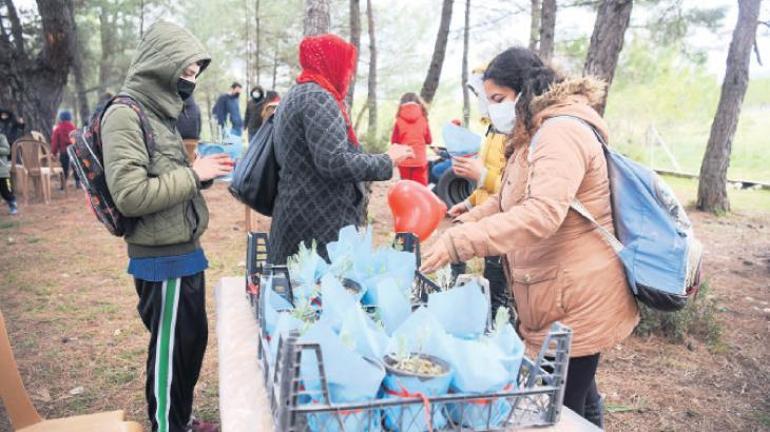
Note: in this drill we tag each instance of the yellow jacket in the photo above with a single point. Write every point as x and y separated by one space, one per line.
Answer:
493 155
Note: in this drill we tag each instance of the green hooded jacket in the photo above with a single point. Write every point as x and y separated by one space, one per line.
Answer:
161 189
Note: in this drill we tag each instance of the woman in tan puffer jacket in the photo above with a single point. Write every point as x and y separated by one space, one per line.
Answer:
558 266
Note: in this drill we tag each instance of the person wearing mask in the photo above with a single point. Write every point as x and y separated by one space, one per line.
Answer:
559 267
412 129
163 192
227 107
60 140
255 109
6 191
487 172
320 189
11 126
189 127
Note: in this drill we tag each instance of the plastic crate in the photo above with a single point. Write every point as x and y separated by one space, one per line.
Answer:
535 401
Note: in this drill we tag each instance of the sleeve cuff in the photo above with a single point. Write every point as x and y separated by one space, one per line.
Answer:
483 176
198 182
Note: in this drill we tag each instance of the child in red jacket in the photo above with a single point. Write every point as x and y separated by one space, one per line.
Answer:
60 140
412 129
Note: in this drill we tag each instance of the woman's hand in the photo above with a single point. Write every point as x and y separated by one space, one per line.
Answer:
458 209
399 152
211 167
470 168
434 258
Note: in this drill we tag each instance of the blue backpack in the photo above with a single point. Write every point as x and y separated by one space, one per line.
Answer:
655 239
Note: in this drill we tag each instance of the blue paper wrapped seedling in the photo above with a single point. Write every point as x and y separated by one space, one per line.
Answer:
416 369
460 141
486 365
350 378
231 145
395 356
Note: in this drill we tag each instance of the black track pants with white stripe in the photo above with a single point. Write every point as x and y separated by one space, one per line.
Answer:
174 311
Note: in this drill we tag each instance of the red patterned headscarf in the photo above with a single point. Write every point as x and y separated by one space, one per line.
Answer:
328 60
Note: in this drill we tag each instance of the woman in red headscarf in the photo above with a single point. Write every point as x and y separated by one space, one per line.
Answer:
323 168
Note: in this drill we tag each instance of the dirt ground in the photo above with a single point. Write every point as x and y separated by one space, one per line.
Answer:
70 311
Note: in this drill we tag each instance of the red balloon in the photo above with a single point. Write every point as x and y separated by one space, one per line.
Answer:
415 208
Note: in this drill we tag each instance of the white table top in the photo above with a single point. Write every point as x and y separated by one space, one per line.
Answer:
243 402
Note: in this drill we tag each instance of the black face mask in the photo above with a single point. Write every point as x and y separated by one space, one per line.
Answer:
185 88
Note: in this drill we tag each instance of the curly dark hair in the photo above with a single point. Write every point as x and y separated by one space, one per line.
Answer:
522 70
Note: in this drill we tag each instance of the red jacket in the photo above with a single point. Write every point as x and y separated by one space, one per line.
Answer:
412 129
60 139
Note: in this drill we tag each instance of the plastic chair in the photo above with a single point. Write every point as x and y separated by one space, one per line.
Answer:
36 164
25 418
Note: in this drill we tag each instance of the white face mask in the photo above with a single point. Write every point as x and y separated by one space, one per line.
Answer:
503 115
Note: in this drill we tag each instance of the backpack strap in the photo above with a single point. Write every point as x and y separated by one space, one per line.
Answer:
576 205
144 121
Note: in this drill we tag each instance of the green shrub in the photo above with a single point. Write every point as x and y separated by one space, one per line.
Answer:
698 319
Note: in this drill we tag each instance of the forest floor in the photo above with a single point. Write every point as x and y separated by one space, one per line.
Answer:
71 314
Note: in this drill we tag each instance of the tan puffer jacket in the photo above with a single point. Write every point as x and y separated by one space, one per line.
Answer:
559 268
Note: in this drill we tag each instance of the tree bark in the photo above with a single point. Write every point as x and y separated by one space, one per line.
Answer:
258 39
80 87
355 39
612 20
107 39
371 100
430 85
275 62
712 188
547 29
466 42
33 86
317 17
534 24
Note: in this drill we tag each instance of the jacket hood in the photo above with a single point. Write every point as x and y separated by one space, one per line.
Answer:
578 97
163 53
410 112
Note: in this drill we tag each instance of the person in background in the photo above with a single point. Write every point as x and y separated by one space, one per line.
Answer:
412 129
487 172
189 127
11 126
5 175
320 187
163 192
559 267
227 107
60 140
255 114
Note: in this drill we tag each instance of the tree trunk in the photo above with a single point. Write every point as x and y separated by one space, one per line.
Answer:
534 24
33 87
712 188
607 41
355 39
107 39
259 45
466 42
247 39
317 17
430 85
547 29
209 107
275 62
80 88
371 100
141 19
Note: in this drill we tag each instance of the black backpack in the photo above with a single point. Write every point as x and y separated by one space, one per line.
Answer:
88 161
255 177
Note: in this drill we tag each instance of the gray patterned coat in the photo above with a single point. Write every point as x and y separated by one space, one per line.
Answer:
320 188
